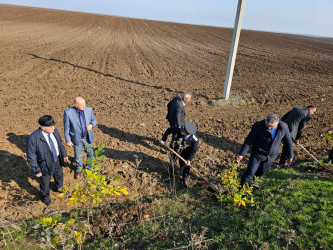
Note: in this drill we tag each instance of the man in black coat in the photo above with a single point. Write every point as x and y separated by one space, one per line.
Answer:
185 142
176 109
296 119
264 140
46 154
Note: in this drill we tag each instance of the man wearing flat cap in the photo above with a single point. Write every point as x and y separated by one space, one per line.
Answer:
46 155
185 142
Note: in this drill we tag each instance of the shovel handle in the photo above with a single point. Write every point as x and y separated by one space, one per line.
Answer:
173 151
195 170
310 154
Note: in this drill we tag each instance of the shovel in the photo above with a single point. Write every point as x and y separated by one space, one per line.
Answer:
195 170
310 154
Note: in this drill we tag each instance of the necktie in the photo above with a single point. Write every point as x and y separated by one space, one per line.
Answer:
54 151
83 124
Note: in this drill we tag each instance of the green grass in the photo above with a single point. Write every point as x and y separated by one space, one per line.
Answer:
294 210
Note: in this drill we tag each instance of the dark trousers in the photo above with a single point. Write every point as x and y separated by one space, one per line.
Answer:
255 167
284 155
331 154
44 180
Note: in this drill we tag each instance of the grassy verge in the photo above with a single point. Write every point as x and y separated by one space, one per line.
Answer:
294 210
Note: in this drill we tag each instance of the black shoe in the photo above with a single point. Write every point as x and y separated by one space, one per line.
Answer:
329 161
185 182
46 201
166 179
77 175
284 165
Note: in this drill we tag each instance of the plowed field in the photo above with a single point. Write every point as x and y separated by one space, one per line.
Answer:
127 70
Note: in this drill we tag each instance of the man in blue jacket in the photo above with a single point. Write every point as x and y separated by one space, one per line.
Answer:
264 140
46 154
79 121
185 142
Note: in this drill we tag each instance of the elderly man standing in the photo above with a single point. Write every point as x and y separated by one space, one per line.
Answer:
46 155
296 120
79 121
264 140
176 109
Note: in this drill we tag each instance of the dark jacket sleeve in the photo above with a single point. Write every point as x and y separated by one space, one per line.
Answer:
179 114
288 143
32 154
61 146
250 139
301 126
193 151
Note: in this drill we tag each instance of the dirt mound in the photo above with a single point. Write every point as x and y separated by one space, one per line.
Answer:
127 70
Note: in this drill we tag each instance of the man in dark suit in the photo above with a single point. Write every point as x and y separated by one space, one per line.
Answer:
79 121
46 154
264 140
176 109
296 119
185 142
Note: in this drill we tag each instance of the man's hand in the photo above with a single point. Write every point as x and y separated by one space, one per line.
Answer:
289 160
297 142
65 159
89 127
239 158
188 163
70 144
39 174
162 142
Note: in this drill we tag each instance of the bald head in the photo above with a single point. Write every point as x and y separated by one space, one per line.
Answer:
79 103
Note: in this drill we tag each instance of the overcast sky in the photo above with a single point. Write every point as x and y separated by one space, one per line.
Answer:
311 17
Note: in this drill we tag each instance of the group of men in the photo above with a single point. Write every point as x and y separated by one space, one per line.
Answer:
184 140
45 151
264 139
46 154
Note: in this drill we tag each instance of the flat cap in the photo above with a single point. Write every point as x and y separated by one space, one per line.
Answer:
46 121
189 128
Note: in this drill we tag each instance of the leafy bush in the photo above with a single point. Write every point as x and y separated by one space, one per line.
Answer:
96 187
233 192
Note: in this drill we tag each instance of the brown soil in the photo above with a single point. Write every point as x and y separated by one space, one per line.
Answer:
127 70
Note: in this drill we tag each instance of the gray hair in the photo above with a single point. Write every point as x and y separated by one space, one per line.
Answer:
271 119
186 95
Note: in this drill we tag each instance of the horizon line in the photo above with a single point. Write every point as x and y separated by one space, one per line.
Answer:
196 24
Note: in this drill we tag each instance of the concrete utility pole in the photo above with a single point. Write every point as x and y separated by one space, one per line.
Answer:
234 47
